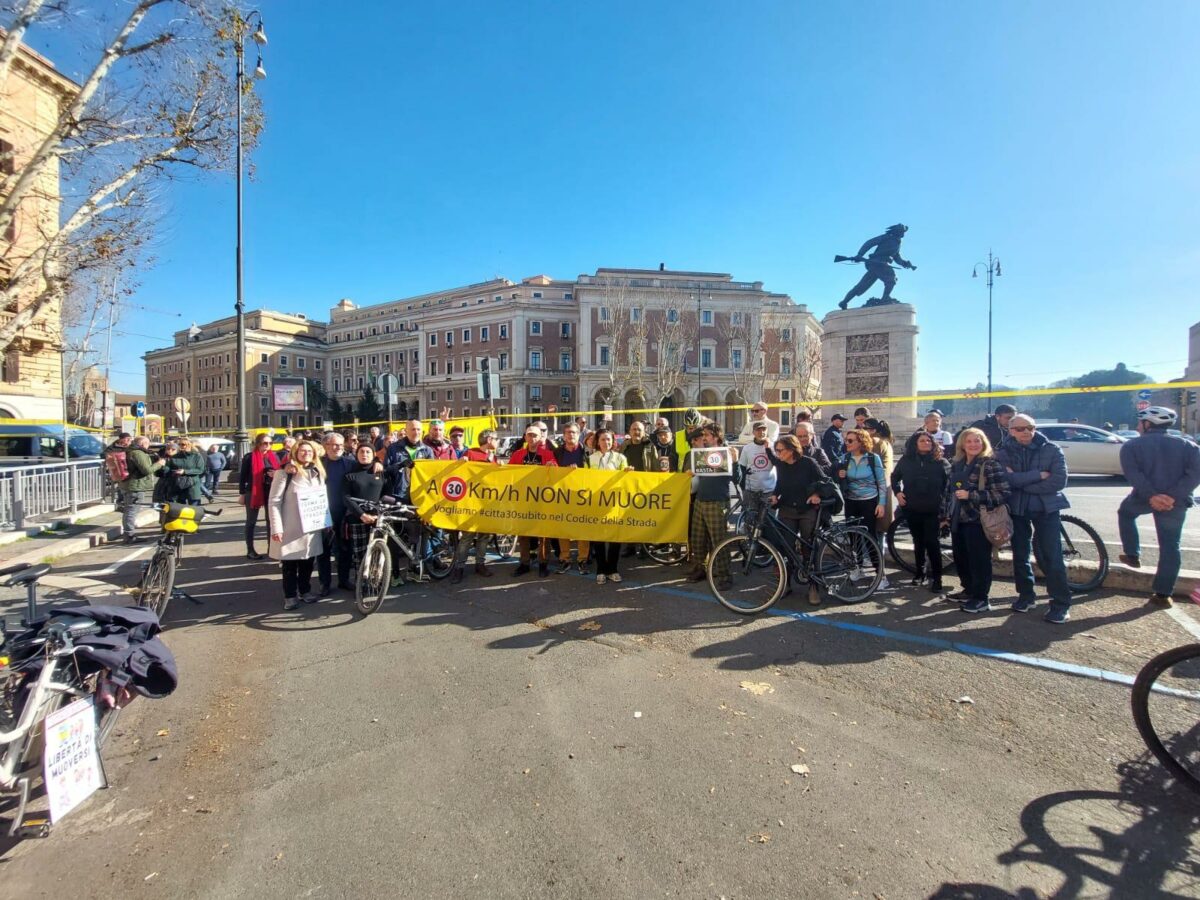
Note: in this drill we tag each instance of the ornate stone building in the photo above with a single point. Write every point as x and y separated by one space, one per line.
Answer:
30 370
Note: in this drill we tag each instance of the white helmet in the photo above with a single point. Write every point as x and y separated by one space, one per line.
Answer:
1159 416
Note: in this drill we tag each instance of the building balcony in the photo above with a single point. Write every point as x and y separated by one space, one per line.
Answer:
545 373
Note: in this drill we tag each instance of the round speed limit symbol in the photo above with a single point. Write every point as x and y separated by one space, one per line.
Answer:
454 489
715 459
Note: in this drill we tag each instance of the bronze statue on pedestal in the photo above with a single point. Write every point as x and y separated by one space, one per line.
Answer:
885 249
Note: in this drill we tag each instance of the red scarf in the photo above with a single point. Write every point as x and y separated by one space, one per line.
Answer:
259 464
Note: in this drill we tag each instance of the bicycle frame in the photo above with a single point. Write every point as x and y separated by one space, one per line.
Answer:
798 561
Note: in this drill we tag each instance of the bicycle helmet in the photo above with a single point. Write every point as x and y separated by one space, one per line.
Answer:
1158 416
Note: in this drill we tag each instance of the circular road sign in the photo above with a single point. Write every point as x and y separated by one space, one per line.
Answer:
1143 404
454 489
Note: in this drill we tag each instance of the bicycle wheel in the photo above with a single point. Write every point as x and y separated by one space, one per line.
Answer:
1166 710
439 555
849 563
374 577
158 582
505 546
903 552
1085 555
667 554
106 721
749 587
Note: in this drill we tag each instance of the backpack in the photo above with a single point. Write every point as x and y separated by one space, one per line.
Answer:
117 464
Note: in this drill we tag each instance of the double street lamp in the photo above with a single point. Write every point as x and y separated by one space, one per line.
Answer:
241 437
992 267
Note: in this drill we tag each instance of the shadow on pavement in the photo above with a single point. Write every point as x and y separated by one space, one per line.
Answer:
1135 842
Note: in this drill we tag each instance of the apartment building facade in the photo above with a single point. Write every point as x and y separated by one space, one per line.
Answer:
200 366
30 369
626 338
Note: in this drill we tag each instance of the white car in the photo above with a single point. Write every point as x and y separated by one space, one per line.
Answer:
1088 450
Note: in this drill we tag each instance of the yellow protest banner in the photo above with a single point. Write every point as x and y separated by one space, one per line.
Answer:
544 501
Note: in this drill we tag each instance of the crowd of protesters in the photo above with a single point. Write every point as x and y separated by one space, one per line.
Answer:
997 481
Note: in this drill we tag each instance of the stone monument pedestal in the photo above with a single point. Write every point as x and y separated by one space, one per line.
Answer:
869 353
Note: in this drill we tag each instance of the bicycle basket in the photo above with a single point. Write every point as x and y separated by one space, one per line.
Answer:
181 517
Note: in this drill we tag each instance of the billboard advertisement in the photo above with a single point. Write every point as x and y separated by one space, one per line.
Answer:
290 394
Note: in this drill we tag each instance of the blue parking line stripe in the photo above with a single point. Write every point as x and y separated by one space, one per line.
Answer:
1037 662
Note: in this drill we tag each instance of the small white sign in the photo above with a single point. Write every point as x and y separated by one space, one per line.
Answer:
71 762
313 503
711 461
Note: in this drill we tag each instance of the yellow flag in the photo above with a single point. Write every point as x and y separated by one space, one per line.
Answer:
545 501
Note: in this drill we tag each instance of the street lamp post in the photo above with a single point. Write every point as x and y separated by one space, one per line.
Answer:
241 437
993 272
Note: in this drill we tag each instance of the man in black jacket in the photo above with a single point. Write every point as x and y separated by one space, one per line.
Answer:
995 426
831 440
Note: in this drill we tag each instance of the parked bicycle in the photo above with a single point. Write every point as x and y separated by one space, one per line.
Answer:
158 578
1084 553
842 558
26 700
425 552
1166 710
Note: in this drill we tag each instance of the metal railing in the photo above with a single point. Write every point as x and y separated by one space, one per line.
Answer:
27 492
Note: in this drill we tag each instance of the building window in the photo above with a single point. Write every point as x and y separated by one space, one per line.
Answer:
317 364
706 357
466 409
785 334
432 340
466 335
466 394
361 383
484 333
466 364
337 385
400 379
264 420
504 332
737 359
603 317
400 358
449 396
604 354
361 361
537 295
672 316
337 338
503 361
262 402
449 338
301 362
503 391
374 330
564 393
264 381
564 330
433 367
535 327
635 314
567 295
360 334
374 359
535 359
706 317
564 360
535 392
387 329
262 358
785 366
735 318
785 418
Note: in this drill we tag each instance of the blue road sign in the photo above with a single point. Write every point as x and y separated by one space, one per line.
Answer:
1144 394
139 409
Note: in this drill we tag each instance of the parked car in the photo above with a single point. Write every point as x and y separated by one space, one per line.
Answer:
24 445
1126 434
1088 450
508 446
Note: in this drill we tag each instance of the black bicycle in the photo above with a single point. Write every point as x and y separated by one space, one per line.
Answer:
158 578
749 573
1084 552
1166 710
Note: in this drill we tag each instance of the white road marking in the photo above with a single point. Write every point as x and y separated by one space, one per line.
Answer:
1146 546
1185 621
112 569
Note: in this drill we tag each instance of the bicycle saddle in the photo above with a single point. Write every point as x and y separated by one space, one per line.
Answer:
22 574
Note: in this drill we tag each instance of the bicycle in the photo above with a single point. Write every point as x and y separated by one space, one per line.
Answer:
157 586
1084 553
1166 710
430 554
843 558
25 702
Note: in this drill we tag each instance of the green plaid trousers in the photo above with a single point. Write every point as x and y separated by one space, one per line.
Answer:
708 529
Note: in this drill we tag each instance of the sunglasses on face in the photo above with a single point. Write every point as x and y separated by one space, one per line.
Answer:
1020 428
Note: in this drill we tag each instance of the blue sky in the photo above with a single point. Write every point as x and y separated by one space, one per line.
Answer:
412 147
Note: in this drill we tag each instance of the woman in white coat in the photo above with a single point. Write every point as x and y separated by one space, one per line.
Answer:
297 541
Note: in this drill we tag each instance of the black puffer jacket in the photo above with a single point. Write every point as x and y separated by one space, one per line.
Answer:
922 479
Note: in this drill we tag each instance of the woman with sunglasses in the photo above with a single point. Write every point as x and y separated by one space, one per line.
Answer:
919 484
977 481
799 482
864 485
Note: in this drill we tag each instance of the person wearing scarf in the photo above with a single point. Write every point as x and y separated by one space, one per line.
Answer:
254 479
294 547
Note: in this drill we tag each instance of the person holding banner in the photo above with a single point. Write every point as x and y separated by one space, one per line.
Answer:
297 515
533 452
571 455
486 453
606 459
457 447
710 510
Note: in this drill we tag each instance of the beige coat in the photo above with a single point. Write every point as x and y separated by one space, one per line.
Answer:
283 518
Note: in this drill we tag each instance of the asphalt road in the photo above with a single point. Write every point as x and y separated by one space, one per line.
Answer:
551 738
1095 500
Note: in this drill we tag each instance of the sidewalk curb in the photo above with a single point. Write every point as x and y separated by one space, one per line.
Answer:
91 537
1120 577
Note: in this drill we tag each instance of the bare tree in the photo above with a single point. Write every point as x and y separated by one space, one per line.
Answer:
671 329
744 337
615 327
791 359
156 103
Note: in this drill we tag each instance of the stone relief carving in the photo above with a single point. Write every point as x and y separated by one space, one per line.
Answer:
867 385
866 343
867 363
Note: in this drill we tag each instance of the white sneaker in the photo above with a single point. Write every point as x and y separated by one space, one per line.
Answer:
600 579
884 584
614 578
